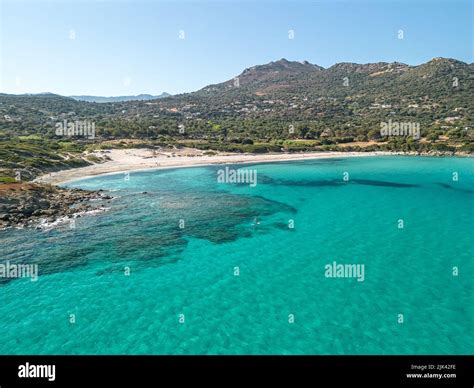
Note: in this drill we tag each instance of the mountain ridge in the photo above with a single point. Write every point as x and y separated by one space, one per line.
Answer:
102 99
279 71
344 101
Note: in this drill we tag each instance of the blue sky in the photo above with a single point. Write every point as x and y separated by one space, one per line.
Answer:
132 47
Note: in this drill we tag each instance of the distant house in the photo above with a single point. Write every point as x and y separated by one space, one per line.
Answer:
452 119
327 133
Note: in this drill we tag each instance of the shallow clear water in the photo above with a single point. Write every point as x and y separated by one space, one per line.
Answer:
190 270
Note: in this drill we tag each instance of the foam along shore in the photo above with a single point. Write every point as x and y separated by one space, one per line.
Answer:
25 204
123 160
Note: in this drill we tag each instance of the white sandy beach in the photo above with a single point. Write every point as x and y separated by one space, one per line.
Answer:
123 160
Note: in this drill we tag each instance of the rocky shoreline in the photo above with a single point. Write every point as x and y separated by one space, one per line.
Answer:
24 204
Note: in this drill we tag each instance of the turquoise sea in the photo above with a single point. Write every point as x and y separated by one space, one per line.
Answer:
182 295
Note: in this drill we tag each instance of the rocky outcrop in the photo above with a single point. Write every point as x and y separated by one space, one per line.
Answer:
27 204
